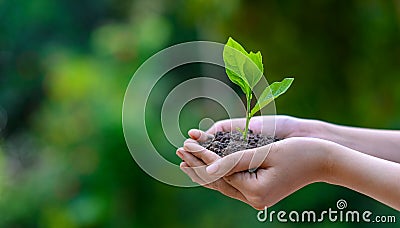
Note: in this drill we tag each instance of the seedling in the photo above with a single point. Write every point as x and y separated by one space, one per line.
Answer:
245 70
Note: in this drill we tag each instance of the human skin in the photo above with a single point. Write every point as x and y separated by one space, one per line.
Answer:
313 151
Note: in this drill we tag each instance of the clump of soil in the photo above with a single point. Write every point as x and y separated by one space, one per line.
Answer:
225 143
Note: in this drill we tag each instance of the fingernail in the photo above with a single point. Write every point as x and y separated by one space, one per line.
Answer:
180 155
183 167
194 133
213 168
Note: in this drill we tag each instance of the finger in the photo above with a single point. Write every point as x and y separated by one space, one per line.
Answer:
227 125
219 185
214 128
196 148
222 186
240 161
242 181
259 157
249 184
190 172
192 161
263 124
200 152
193 175
191 141
198 166
199 135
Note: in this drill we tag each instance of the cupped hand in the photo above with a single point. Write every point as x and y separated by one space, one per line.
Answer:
282 168
195 166
279 125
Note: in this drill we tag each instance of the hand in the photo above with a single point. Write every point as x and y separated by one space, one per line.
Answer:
195 169
281 126
378 143
287 165
283 168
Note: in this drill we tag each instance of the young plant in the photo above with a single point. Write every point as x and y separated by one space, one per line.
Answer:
245 70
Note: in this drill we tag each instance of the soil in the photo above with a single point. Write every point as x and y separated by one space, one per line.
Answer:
225 143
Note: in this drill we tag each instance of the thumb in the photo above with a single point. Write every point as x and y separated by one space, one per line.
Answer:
240 161
200 135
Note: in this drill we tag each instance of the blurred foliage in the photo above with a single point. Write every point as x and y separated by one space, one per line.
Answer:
64 67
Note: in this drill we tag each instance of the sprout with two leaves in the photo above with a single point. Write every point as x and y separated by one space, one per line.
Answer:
245 70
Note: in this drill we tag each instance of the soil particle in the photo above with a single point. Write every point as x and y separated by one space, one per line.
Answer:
225 143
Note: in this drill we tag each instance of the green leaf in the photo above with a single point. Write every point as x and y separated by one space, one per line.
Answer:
234 57
235 78
257 59
270 93
244 69
235 45
252 72
239 130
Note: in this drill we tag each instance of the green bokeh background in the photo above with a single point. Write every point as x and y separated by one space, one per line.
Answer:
65 65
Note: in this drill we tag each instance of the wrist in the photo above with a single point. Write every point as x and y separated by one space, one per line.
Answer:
331 169
317 129
325 163
318 158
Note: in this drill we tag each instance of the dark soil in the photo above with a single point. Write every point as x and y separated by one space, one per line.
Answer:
225 143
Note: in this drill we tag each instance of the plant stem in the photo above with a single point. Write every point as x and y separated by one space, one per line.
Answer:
247 117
